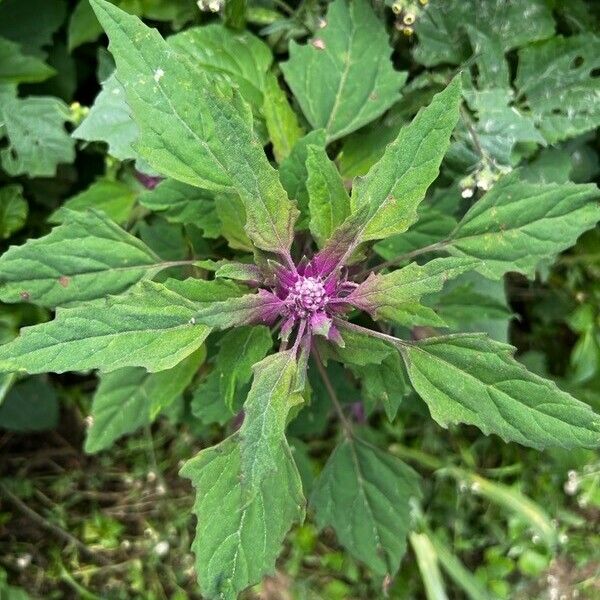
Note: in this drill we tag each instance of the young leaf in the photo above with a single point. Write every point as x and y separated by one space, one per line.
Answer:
364 494
13 211
472 379
328 200
517 224
351 53
86 257
189 125
281 120
113 198
149 327
248 487
240 528
397 295
396 184
557 79
129 398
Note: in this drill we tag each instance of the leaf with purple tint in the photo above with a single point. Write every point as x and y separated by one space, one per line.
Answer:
397 295
261 308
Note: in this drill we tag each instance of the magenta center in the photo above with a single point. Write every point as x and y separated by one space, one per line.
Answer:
307 296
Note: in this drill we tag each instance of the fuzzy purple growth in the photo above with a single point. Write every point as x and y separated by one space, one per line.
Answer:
309 298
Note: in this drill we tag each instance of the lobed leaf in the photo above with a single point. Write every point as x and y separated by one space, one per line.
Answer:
343 78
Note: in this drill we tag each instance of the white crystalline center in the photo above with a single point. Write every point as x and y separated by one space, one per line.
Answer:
307 296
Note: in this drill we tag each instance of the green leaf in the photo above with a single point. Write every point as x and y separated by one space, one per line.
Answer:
359 349
113 198
293 173
182 203
30 405
130 398
37 139
501 126
557 79
31 24
239 350
232 215
232 516
344 78
364 494
110 120
240 58
16 67
83 26
328 200
149 327
518 224
472 379
383 383
248 487
397 295
396 185
261 307
189 125
13 211
235 13
86 257
281 120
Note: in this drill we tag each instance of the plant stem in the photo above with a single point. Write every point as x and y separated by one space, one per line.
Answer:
346 425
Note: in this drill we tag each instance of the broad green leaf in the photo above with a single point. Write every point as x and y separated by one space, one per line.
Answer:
239 350
343 77
241 58
201 291
472 379
182 203
114 198
86 257
189 125
397 295
364 494
281 120
292 170
240 528
556 77
359 349
83 26
328 200
261 307
508 23
501 126
37 139
518 224
207 403
246 272
13 211
248 487
130 398
396 185
150 327
110 120
16 67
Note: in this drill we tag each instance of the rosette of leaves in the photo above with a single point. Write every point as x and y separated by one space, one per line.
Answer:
311 291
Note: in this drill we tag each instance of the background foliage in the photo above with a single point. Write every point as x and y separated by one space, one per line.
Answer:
79 520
